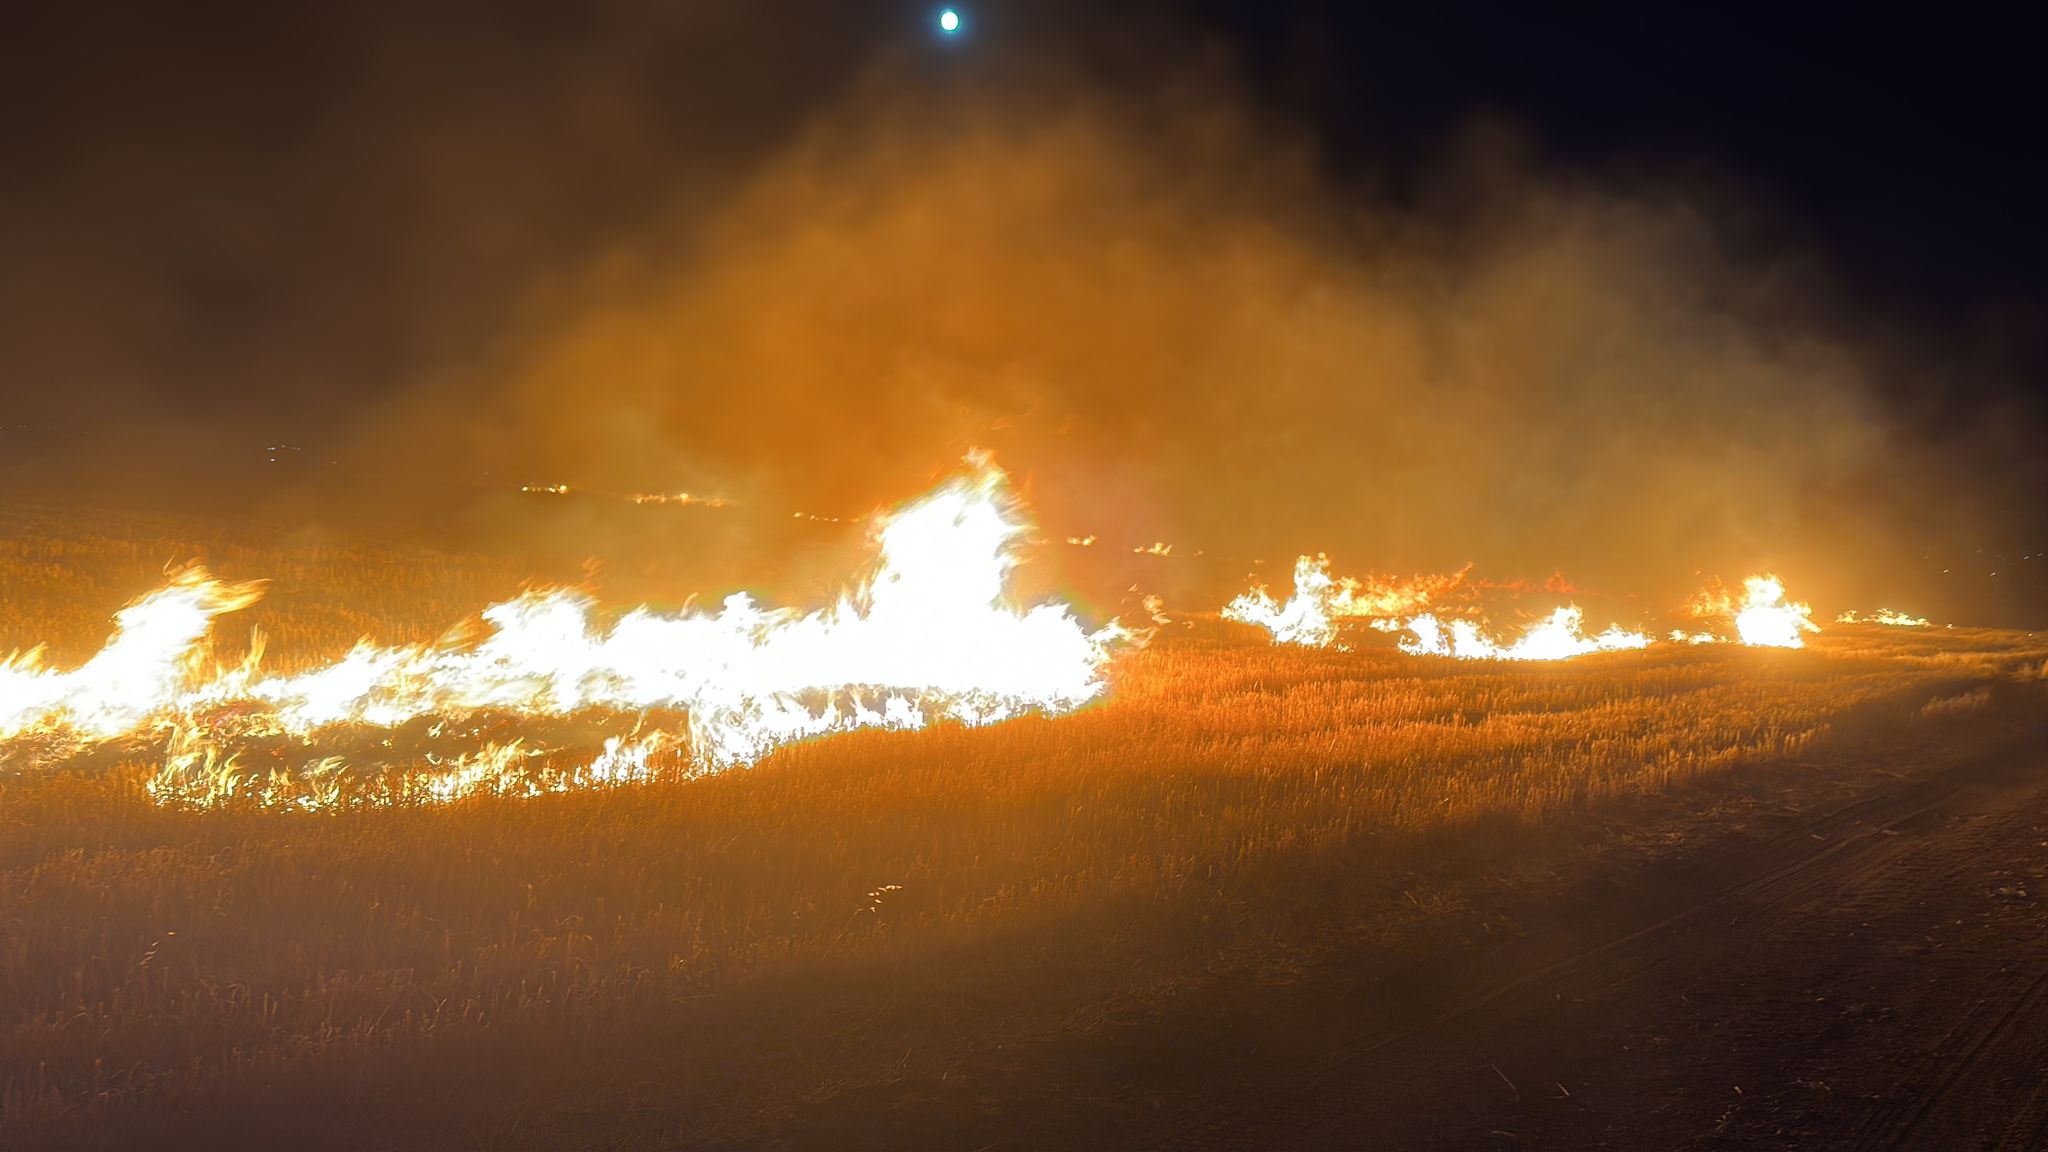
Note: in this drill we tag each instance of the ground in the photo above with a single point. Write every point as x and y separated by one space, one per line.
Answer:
1258 898
1868 974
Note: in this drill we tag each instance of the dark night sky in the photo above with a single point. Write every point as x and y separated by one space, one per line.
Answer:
1899 137
1899 142
1896 141
229 224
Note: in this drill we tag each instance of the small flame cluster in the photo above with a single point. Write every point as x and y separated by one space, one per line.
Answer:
1886 616
1762 617
1559 636
1309 617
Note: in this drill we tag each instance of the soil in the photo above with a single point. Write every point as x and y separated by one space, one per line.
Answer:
1850 951
1862 972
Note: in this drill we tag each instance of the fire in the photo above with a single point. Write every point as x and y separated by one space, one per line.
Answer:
1306 616
1309 616
1559 636
1764 617
928 635
139 672
1884 616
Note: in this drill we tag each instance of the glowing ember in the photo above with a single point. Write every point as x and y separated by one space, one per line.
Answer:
1559 636
676 498
927 636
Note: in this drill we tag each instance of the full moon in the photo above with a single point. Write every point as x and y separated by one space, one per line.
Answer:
949 21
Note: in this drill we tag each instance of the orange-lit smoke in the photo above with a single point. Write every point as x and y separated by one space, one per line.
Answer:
1176 329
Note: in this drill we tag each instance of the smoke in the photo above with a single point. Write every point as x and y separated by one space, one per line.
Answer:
798 262
1175 327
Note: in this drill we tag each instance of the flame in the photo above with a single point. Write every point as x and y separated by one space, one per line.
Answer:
1309 616
1559 636
1306 616
927 636
139 672
1763 618
1884 616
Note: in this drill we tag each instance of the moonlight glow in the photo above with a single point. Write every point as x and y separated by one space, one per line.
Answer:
949 21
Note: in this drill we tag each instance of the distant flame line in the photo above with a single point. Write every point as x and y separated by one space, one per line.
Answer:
1763 617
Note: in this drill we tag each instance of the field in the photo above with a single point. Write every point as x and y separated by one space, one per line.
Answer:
876 940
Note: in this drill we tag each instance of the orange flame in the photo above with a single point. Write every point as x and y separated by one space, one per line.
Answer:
1559 636
1309 616
1886 616
927 636
139 672
1763 617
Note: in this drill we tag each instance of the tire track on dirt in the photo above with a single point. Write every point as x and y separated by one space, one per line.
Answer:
1996 1033
1822 857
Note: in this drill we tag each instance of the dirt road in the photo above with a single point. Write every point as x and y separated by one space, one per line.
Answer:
1873 977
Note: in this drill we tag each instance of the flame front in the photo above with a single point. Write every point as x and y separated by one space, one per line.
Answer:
1886 616
1310 615
1559 636
927 636
140 672
1763 617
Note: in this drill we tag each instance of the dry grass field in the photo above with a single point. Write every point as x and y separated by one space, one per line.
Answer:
724 960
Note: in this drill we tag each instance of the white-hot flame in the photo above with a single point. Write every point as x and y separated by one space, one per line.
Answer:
928 636
1309 616
1559 636
1884 616
140 671
1763 618
1306 617
1768 620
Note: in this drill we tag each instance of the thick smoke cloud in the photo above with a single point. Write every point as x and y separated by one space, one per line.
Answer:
803 259
1163 316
